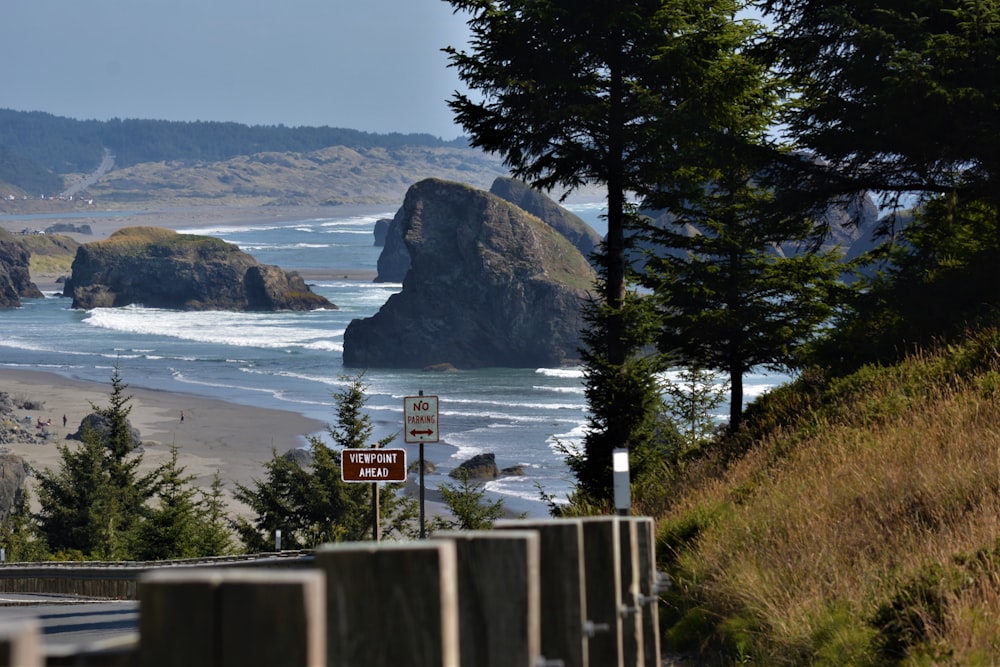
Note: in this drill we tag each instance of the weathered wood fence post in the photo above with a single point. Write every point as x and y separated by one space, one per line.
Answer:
21 644
649 598
633 646
563 589
231 618
498 597
602 561
391 604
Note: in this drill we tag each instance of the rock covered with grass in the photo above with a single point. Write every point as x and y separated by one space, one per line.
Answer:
160 268
489 285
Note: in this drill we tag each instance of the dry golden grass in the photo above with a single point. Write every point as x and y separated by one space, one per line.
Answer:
826 532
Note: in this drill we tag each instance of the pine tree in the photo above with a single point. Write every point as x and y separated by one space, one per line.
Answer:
468 505
183 523
214 537
96 499
734 267
312 505
894 97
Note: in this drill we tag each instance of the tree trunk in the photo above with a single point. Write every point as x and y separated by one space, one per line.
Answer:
735 397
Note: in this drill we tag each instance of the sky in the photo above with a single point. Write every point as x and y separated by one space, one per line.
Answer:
370 65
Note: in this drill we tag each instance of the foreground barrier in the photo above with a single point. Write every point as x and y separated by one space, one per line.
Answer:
232 618
562 588
21 644
545 593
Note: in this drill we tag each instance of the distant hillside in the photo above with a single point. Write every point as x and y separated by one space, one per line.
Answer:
165 163
25 175
65 145
332 175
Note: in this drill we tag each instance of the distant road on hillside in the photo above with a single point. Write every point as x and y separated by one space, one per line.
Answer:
106 164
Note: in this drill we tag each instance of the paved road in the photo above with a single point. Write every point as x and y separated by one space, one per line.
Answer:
106 164
68 624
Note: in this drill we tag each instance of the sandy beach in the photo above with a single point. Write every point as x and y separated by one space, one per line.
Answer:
214 436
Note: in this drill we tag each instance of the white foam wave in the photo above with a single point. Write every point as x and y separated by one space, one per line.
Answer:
558 390
532 405
561 372
258 247
261 330
32 346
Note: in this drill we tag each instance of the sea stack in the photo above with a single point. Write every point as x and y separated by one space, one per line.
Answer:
489 285
160 268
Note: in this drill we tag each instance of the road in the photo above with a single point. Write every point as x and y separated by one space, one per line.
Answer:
69 625
107 162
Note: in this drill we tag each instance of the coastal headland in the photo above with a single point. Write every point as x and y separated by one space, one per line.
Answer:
214 435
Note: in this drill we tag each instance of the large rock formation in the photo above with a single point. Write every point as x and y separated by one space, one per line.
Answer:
567 223
489 285
394 261
15 276
160 268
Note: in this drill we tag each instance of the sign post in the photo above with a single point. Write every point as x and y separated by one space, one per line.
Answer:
373 465
420 424
420 418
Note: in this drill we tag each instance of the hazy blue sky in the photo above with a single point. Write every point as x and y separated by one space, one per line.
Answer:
372 65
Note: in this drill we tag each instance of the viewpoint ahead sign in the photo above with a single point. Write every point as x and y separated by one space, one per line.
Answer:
373 465
420 419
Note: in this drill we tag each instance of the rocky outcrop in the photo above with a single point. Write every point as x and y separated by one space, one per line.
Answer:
394 261
68 228
480 468
381 230
567 223
15 275
489 285
850 231
97 424
160 268
14 471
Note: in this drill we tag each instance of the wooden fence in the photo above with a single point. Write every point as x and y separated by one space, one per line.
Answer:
545 593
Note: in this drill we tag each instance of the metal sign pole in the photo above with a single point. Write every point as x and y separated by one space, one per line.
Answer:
375 512
423 534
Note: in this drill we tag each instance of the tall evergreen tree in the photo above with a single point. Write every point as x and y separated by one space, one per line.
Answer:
573 92
96 498
735 275
894 96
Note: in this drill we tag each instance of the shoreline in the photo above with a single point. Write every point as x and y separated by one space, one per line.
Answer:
215 435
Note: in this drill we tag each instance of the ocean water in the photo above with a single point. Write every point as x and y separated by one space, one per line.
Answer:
293 361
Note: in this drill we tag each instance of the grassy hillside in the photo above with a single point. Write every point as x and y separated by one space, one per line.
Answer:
860 527
335 175
50 253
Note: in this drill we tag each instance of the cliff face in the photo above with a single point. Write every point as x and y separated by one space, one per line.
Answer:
489 285
15 278
160 268
394 261
567 223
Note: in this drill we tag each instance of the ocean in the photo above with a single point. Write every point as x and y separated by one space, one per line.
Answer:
293 361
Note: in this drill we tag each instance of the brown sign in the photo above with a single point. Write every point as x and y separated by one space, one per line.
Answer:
373 465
